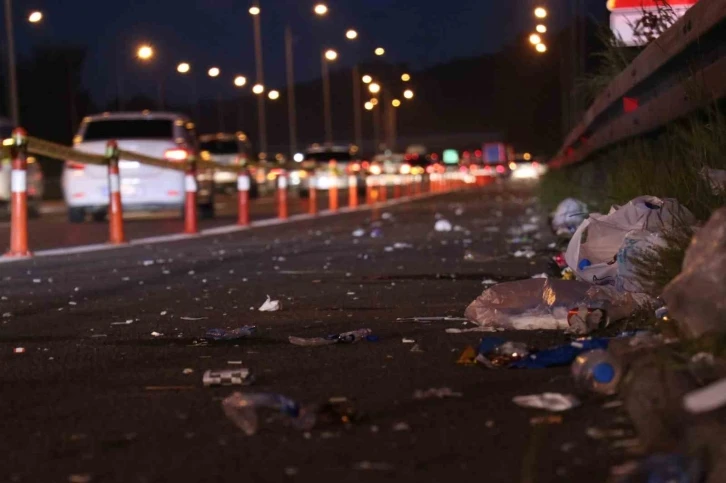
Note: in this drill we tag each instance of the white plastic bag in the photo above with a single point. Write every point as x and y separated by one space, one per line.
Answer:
570 213
592 252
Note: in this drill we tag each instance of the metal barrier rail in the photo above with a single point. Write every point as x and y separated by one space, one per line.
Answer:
661 85
20 144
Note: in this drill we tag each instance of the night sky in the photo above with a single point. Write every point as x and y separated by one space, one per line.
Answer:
219 32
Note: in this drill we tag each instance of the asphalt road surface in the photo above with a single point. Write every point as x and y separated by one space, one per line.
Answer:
90 397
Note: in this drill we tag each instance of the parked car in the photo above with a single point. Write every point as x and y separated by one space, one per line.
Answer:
162 135
34 176
329 164
231 150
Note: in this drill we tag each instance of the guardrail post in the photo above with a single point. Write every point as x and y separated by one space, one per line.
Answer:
397 187
115 208
190 198
282 195
333 193
243 198
19 196
352 191
370 190
418 184
313 195
383 189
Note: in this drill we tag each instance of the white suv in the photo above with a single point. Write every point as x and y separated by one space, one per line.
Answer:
162 135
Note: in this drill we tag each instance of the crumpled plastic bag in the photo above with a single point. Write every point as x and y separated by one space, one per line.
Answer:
568 215
543 304
593 250
696 298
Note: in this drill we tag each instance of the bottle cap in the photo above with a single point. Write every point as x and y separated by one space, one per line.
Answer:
603 373
584 263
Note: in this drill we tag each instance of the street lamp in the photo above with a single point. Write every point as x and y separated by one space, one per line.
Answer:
369 106
183 68
408 94
213 72
273 95
145 52
396 103
405 77
258 89
331 55
240 81
374 88
351 34
380 51
374 101
540 12
535 39
254 10
367 79
320 9
35 16
541 48
541 28
328 56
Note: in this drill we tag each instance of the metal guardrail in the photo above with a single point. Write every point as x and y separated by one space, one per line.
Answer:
681 71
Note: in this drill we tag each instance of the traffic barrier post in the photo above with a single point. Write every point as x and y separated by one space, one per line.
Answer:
352 191
370 190
19 195
115 208
243 198
397 187
333 193
282 195
190 198
313 196
383 189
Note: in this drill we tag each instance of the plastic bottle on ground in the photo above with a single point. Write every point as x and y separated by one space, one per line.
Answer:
344 338
242 408
597 371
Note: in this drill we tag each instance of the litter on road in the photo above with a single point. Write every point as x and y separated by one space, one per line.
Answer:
270 305
228 377
343 338
234 334
551 401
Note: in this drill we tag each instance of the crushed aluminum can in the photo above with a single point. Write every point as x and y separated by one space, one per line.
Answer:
228 377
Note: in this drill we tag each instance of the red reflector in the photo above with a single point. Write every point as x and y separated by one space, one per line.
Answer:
74 165
172 193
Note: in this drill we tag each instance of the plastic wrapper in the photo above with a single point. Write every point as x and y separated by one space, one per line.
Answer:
596 252
544 304
344 338
696 298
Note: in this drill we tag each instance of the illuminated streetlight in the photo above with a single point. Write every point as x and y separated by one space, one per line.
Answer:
320 9
535 39
35 17
367 79
368 106
396 103
145 52
405 77
254 10
541 48
527 156
213 72
540 12
374 101
183 68
298 157
258 89
408 94
374 88
273 95
240 81
380 51
541 29
331 55
351 34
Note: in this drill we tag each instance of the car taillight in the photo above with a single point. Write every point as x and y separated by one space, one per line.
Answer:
365 165
405 169
487 169
75 165
430 169
355 167
176 155
500 169
463 169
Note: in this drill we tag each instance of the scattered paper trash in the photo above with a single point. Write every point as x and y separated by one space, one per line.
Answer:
541 275
443 225
234 334
416 348
227 377
707 398
376 233
343 338
408 341
270 305
551 401
19 350
359 232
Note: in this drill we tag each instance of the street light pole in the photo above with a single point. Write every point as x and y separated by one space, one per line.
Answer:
326 101
357 124
262 124
291 113
12 71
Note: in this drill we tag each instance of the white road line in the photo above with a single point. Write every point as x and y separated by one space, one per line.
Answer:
214 231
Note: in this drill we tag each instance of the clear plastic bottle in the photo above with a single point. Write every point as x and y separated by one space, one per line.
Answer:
242 409
597 371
